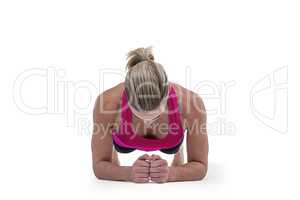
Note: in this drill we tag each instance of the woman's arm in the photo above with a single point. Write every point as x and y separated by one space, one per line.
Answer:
104 164
104 116
197 142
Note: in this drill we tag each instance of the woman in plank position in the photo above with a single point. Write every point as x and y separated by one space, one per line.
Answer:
149 113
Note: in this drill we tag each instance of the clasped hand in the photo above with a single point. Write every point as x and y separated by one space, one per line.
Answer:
147 168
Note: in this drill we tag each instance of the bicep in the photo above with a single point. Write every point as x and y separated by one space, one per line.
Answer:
101 146
101 143
197 140
197 147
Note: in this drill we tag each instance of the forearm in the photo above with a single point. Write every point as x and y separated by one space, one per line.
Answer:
191 171
110 171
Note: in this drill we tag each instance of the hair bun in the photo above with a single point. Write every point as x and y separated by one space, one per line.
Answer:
139 55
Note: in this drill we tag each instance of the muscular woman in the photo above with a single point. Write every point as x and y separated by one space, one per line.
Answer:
149 113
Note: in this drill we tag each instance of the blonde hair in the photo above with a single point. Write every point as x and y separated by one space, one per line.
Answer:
146 81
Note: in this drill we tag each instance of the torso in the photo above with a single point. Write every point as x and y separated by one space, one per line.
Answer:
159 128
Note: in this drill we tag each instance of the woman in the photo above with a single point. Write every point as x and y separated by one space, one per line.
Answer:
148 113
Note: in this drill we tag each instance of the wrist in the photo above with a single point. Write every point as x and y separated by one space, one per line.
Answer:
127 173
172 174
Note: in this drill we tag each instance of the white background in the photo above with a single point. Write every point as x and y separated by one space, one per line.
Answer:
48 155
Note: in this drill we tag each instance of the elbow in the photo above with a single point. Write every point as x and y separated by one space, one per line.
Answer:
98 175
201 176
201 171
97 170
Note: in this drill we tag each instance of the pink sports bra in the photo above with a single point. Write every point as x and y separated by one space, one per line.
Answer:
126 140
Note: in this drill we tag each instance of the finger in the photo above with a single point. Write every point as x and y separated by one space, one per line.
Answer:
141 170
158 169
141 180
155 157
142 163
144 157
142 175
158 180
158 163
157 175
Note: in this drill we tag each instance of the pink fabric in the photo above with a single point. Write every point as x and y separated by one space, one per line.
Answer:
126 137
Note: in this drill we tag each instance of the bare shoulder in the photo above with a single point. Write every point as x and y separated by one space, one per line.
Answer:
107 104
191 103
